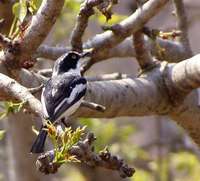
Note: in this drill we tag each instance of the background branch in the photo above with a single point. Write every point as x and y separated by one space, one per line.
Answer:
182 24
105 41
173 50
142 54
86 11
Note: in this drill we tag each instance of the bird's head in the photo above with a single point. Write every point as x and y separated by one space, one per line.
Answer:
68 62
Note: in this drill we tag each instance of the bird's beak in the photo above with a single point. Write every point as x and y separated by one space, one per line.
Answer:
86 54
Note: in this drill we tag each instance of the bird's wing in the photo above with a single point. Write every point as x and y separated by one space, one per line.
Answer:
58 96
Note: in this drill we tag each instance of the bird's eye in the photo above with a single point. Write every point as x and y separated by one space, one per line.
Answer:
74 57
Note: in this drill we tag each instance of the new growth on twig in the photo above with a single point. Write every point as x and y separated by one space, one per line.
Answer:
83 151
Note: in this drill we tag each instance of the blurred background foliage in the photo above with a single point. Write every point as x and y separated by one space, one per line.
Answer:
155 147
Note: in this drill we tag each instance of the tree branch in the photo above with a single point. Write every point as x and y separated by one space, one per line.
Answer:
142 54
105 41
93 106
40 26
182 25
184 76
84 151
106 77
13 90
173 51
86 11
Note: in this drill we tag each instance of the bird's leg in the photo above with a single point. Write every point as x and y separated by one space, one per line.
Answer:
63 121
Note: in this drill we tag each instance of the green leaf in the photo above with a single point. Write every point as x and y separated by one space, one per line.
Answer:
116 18
73 5
34 5
16 9
11 107
20 10
2 133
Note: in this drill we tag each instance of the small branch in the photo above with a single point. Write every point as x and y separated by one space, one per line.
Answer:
84 151
82 22
93 106
106 77
45 72
39 77
182 25
35 89
86 65
143 56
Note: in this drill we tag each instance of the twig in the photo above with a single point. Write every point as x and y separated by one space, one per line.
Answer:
182 24
93 106
5 42
45 72
106 77
143 56
2 21
86 65
82 22
84 151
39 77
35 89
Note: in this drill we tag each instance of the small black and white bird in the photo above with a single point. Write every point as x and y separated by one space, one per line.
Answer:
62 94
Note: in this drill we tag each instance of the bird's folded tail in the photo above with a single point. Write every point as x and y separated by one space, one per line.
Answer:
38 145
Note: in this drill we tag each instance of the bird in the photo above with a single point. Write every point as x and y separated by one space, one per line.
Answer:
62 94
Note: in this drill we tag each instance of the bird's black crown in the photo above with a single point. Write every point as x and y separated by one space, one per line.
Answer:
67 61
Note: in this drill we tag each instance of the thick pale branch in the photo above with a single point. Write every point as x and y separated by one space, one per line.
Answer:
187 115
185 76
126 97
41 25
10 88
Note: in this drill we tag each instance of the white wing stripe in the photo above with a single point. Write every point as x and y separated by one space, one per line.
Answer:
43 104
76 90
